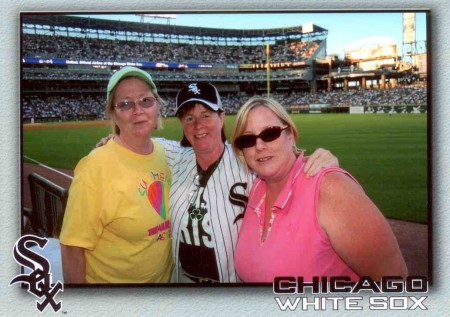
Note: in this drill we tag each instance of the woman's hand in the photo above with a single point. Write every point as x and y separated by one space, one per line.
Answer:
319 159
104 140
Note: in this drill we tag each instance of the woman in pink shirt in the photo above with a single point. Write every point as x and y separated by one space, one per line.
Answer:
297 226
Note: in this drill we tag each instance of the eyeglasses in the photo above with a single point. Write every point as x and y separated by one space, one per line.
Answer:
267 135
145 102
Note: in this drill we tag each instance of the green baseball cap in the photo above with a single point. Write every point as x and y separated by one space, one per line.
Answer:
129 71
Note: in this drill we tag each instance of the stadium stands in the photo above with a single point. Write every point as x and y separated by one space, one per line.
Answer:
64 76
84 107
44 46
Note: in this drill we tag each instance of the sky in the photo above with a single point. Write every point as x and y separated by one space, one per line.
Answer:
344 28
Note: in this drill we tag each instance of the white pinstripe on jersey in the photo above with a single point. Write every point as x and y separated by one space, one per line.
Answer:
223 209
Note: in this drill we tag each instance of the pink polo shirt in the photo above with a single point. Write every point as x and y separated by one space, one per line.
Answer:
296 245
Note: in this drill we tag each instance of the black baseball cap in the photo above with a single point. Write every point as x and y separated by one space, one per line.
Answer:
203 93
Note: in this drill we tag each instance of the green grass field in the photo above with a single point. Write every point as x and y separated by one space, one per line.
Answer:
387 154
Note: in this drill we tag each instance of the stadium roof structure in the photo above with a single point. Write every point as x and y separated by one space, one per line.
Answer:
92 25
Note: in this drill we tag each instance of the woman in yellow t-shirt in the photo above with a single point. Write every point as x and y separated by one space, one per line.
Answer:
116 226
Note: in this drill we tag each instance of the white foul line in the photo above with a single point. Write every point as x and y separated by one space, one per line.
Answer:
48 167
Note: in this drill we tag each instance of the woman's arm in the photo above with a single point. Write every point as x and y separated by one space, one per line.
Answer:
74 264
319 159
357 229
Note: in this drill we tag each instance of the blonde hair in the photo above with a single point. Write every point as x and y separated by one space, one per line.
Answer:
242 118
110 106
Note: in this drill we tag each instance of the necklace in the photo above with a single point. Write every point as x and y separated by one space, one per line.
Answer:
144 151
205 174
196 195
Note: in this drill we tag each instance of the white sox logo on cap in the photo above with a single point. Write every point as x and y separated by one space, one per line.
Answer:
194 89
200 92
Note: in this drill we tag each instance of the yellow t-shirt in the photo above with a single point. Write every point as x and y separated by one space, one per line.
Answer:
118 211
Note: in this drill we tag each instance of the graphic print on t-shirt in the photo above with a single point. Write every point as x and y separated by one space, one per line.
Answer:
157 198
156 190
197 230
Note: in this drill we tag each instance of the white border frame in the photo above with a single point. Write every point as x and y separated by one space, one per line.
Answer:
210 301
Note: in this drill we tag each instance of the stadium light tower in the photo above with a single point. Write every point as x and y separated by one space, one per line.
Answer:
409 37
307 28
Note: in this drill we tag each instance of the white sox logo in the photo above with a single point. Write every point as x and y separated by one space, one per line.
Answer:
39 280
238 199
194 89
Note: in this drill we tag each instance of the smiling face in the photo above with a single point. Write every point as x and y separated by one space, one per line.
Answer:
272 160
203 129
137 122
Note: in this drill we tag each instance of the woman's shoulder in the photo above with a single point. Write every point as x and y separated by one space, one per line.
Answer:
336 180
96 157
101 151
341 196
173 147
231 156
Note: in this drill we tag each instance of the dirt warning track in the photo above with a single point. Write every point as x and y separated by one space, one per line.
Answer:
63 125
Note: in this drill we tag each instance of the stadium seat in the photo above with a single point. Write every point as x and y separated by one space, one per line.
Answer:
48 202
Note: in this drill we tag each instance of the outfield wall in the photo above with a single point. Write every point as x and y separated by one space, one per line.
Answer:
378 109
304 109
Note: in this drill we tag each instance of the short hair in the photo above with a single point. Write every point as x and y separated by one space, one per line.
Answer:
110 106
184 141
242 117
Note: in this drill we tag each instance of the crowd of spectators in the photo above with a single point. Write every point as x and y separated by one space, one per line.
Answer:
86 106
167 75
90 104
63 108
77 48
400 95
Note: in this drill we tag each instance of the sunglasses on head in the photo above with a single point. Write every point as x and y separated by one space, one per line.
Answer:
267 135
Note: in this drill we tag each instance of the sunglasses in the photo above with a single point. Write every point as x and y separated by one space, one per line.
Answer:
267 135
